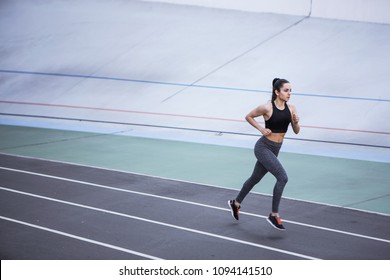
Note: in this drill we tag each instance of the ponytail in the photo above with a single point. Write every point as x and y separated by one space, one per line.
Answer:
277 84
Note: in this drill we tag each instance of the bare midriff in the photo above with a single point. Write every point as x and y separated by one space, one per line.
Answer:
276 137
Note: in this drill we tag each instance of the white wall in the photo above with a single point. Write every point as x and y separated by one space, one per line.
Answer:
377 11
299 7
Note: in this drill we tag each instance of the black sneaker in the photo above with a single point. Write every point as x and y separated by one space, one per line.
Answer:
235 210
276 222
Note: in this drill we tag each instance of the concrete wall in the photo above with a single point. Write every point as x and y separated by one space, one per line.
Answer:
357 10
376 11
160 66
299 7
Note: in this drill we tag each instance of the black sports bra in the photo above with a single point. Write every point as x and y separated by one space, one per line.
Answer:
279 120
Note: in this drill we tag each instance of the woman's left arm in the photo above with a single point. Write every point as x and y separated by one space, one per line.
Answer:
295 119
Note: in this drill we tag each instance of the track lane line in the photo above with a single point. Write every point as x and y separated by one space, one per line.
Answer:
117 248
194 203
235 240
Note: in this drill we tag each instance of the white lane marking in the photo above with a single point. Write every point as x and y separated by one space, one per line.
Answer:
189 182
82 238
164 224
195 203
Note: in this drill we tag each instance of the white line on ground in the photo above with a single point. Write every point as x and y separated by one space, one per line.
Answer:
165 224
82 239
194 203
189 182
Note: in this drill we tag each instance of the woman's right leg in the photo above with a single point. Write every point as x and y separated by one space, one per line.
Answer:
258 173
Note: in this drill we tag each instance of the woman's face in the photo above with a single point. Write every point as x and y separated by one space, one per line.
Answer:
285 92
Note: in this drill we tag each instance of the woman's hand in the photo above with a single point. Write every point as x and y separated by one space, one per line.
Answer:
295 118
265 131
295 123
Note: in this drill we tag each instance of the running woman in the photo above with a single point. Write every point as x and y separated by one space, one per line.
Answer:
277 115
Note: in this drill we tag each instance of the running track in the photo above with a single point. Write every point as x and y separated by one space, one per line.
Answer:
54 210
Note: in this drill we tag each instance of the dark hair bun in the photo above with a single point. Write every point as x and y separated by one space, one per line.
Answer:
274 81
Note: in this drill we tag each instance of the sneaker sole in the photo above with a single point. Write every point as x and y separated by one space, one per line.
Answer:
231 211
281 229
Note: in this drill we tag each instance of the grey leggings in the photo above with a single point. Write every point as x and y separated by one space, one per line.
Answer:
266 152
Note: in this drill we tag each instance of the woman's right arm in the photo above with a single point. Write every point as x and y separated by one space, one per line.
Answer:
257 112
